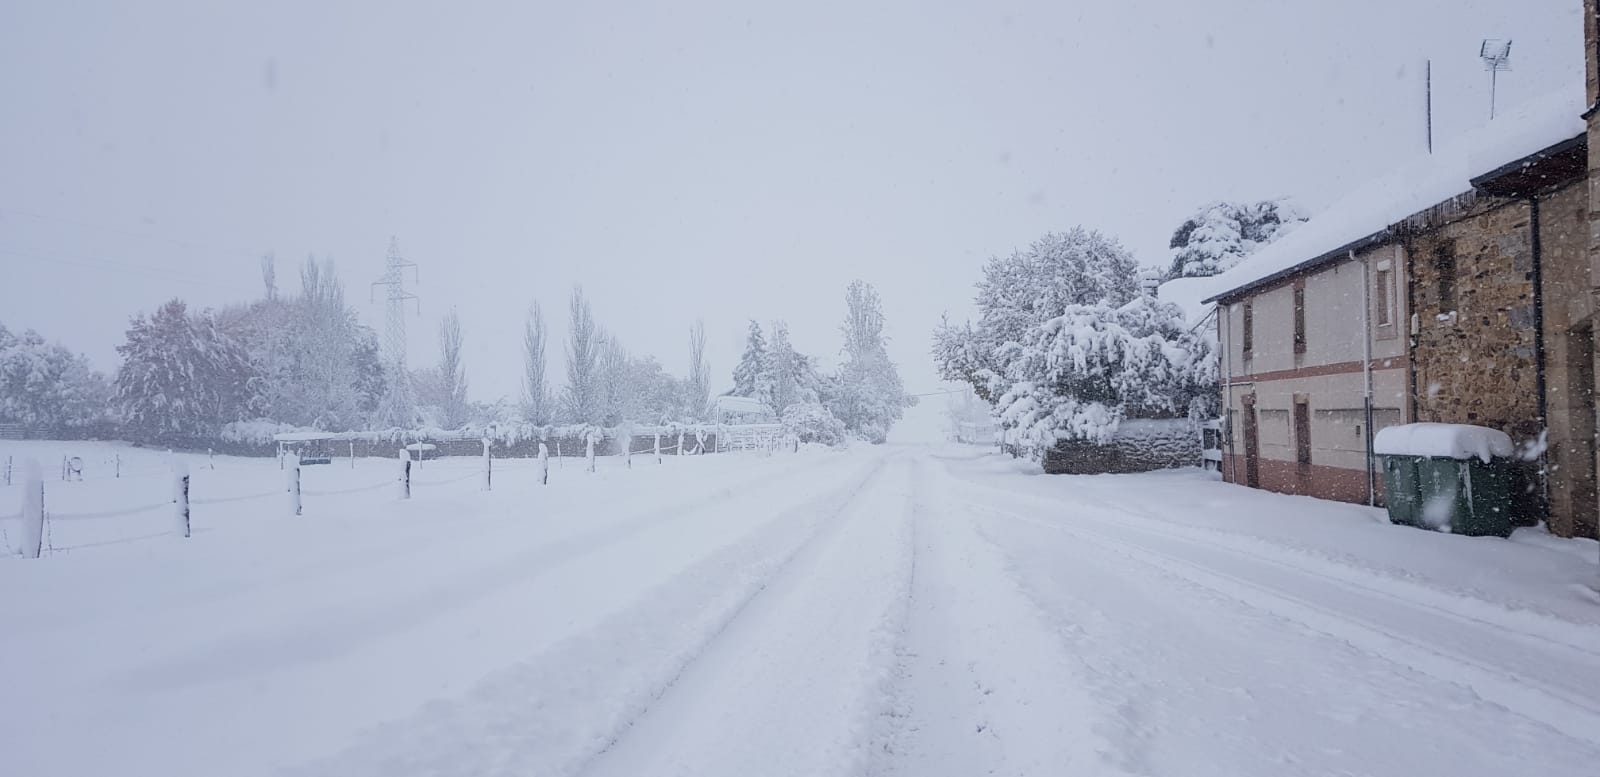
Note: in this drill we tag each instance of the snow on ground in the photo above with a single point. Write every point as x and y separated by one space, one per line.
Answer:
888 610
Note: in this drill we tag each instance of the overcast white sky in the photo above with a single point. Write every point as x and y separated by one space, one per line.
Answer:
685 160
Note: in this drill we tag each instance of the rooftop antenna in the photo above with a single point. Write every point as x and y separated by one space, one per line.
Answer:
1496 55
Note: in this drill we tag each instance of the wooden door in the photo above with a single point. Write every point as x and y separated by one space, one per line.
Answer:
1252 444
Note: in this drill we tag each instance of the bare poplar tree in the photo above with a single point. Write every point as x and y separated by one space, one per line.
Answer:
698 389
537 405
452 373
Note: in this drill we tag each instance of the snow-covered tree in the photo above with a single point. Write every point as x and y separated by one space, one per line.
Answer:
658 397
870 395
1065 347
181 375
697 391
1222 233
581 398
48 387
616 398
751 377
1080 374
452 396
537 404
783 370
315 364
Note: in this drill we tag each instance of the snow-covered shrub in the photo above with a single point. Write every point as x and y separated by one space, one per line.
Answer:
813 422
257 432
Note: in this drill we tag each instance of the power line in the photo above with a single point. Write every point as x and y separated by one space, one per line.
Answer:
96 263
6 211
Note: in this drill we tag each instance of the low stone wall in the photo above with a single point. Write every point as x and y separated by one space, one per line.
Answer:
1140 445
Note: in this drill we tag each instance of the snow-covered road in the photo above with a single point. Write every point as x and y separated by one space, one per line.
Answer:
890 611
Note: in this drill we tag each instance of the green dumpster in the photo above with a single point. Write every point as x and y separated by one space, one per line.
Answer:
1450 477
1400 490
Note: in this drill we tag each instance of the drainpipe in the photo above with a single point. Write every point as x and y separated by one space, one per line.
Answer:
1411 333
1538 343
1366 373
1224 328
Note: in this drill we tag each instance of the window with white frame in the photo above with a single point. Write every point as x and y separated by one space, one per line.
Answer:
1383 291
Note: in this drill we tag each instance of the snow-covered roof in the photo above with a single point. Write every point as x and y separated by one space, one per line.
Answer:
730 404
1189 294
1451 441
1363 215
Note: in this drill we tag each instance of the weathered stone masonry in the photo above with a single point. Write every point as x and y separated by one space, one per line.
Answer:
1472 295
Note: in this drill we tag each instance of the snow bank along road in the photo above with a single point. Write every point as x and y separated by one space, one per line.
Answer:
882 611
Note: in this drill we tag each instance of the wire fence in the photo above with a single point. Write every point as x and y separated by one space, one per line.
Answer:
83 506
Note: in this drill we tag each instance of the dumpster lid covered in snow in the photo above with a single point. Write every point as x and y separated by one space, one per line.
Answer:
1451 441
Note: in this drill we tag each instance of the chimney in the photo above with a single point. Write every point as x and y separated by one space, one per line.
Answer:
1149 282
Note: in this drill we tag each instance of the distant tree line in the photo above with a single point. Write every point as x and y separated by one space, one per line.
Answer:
304 360
863 399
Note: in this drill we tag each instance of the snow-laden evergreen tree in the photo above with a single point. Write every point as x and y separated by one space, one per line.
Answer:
1222 233
581 400
697 390
751 376
47 387
783 370
537 404
1065 347
182 376
870 395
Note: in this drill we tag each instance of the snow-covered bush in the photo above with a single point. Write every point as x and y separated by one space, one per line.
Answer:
257 432
813 422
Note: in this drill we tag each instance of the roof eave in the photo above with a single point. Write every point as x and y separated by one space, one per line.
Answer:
1308 265
1551 166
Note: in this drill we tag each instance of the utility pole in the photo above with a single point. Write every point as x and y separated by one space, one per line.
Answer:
395 409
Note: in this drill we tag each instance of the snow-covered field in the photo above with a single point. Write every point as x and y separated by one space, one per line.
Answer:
890 610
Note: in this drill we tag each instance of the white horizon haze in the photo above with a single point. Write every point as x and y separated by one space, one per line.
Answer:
687 161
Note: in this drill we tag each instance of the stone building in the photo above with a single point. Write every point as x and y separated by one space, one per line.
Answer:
1455 290
1313 362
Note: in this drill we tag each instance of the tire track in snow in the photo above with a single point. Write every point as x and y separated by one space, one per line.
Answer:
984 683
557 711
799 682
1552 707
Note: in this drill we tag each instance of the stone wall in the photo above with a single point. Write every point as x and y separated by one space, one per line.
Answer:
1140 445
1569 360
1473 356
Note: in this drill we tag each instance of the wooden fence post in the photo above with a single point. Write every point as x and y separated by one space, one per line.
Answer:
488 467
544 465
405 474
294 486
180 496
